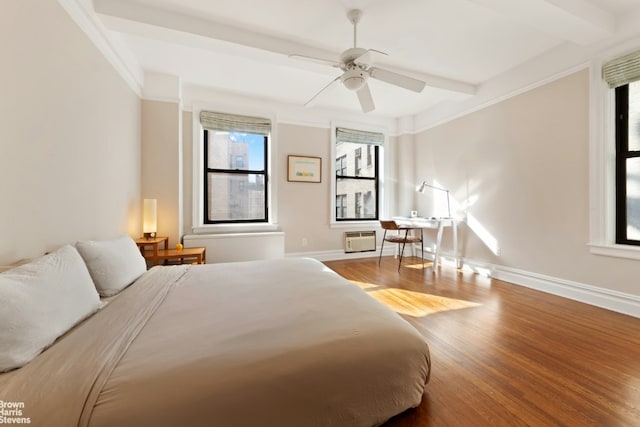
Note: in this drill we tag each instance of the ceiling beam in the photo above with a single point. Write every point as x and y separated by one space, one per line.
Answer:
130 17
576 21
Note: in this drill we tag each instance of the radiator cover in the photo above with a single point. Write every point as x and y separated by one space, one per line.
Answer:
359 241
238 246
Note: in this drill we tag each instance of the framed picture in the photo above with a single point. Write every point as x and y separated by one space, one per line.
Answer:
304 169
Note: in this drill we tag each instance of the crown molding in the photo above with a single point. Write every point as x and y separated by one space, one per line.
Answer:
116 53
562 61
552 65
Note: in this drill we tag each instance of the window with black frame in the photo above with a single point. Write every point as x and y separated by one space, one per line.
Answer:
235 168
628 163
357 181
623 76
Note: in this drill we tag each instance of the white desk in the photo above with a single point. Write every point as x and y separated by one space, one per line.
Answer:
434 223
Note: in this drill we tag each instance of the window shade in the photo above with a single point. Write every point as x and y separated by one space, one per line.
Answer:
235 123
359 136
623 70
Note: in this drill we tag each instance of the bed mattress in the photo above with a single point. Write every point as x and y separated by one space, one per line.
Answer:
283 342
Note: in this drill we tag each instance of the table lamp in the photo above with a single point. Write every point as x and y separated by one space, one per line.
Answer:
150 218
424 186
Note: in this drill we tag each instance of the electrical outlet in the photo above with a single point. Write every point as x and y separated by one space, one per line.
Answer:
304 242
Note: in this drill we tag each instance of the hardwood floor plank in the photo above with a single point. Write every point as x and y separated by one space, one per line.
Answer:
506 355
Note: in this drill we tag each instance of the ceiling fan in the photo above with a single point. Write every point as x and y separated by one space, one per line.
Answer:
357 66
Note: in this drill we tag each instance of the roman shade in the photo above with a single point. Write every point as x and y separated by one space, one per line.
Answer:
359 136
235 123
623 70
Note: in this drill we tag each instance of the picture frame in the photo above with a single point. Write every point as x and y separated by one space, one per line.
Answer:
304 169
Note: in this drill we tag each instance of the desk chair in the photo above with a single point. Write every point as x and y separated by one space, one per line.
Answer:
398 238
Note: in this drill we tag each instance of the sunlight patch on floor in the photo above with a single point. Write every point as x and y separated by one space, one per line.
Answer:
363 285
417 304
418 265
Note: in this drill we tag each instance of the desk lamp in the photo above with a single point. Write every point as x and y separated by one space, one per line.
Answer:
424 186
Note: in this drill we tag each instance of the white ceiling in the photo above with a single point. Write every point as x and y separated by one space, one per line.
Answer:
457 46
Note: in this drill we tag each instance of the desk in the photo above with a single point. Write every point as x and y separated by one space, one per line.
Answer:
434 223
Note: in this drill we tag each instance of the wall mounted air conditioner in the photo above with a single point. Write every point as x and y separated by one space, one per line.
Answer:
359 241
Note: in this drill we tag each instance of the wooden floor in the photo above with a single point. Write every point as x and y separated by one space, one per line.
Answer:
506 355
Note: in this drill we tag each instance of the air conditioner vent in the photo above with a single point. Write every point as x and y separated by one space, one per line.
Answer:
359 241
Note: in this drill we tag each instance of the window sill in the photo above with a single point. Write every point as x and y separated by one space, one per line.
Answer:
355 224
617 251
235 228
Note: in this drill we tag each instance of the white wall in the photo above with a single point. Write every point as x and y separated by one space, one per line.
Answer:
519 169
161 164
69 136
303 208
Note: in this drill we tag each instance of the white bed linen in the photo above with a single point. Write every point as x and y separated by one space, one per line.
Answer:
265 343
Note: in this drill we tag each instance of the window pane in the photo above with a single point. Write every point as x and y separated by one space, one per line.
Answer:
353 164
236 197
341 205
347 208
233 150
633 198
634 116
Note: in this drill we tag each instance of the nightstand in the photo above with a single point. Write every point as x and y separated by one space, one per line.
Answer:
152 254
184 255
155 255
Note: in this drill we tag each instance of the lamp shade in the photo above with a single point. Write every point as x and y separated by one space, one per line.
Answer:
150 217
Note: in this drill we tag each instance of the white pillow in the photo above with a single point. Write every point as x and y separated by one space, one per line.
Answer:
113 264
41 300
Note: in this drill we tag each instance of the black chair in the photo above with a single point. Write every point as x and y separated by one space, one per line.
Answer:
398 238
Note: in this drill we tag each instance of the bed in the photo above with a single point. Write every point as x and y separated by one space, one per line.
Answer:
283 342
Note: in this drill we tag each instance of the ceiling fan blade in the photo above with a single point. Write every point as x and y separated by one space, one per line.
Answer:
309 103
324 61
397 79
367 57
365 98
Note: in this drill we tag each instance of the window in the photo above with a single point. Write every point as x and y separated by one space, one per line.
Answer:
240 160
341 205
627 124
357 185
358 158
369 207
623 76
235 168
341 165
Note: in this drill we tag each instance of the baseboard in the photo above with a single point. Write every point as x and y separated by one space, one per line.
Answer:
389 250
604 298
338 254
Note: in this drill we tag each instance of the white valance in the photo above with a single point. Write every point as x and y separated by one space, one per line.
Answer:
235 123
359 136
623 70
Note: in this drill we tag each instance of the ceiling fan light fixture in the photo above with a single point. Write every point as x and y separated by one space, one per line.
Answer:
354 79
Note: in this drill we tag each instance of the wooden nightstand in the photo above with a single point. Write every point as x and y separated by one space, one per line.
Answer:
153 254
184 255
